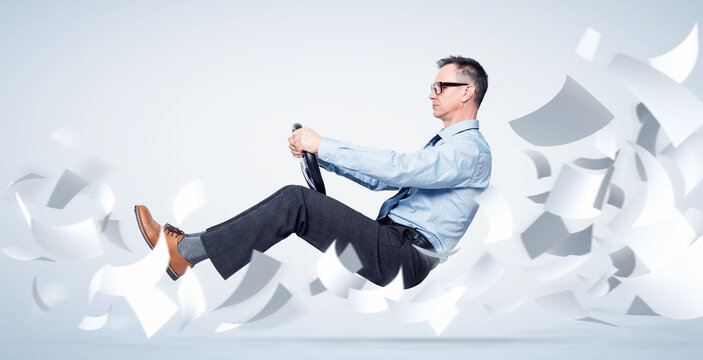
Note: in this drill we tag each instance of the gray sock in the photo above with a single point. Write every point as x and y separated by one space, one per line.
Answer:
192 249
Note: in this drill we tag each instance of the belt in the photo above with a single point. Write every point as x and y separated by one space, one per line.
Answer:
416 238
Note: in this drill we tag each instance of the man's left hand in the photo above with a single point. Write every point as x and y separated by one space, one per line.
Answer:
304 139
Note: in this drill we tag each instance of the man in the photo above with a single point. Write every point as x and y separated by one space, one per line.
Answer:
415 229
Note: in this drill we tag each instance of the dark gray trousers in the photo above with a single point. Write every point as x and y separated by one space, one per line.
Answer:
318 219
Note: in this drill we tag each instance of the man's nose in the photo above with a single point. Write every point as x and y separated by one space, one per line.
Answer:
432 95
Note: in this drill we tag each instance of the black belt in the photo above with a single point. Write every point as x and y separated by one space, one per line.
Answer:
416 238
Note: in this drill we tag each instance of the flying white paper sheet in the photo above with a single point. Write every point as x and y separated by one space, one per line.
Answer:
677 110
558 267
127 279
617 196
594 164
574 194
19 252
639 307
504 307
647 136
374 300
103 194
91 323
316 287
189 198
49 295
482 275
624 219
624 260
606 142
191 299
545 232
541 163
41 304
563 304
152 307
695 197
603 188
640 169
29 176
598 265
66 189
600 288
687 158
588 45
440 322
679 62
571 115
111 230
660 193
657 244
578 243
430 290
500 215
674 290
335 277
695 220
76 241
411 312
539 198
260 271
68 137
433 253
23 208
227 326
613 282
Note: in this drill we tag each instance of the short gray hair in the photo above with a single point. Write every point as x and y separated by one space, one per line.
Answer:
470 70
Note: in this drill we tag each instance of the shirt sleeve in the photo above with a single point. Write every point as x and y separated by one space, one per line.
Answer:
357 177
453 163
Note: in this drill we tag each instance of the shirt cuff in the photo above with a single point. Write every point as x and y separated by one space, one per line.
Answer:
328 149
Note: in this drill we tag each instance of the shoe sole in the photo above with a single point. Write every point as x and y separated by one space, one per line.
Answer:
169 271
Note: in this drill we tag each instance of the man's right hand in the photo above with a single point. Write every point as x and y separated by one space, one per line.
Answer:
304 139
294 150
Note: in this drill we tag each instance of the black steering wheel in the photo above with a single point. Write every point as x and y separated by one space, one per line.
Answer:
310 168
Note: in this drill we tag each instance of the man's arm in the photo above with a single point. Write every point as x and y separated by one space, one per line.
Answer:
451 164
305 139
357 177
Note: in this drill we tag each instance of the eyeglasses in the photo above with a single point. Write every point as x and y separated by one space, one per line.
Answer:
438 87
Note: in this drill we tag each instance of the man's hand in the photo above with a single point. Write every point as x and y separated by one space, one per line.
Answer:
304 139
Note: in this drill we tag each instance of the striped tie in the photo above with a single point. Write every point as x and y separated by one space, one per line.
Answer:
389 204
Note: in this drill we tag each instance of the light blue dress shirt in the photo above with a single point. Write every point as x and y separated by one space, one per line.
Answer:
444 179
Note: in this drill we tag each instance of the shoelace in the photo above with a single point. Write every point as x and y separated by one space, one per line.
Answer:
172 229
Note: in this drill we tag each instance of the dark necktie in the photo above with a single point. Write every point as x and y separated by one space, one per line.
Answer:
389 204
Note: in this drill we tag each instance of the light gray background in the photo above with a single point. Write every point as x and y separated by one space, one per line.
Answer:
164 92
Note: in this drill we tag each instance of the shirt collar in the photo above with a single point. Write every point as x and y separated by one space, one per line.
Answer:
460 126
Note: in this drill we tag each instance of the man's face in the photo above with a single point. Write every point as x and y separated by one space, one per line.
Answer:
449 101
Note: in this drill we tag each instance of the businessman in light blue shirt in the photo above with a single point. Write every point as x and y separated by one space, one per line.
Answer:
415 229
444 179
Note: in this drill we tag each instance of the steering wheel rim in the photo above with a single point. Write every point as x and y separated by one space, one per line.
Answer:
311 169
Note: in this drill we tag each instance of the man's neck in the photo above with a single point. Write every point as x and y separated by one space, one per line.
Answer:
448 123
458 117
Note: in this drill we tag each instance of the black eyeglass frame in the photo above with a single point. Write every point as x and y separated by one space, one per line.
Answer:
443 84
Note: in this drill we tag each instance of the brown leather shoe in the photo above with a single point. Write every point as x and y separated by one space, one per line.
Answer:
151 230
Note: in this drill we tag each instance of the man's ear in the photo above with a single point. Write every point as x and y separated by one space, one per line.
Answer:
468 93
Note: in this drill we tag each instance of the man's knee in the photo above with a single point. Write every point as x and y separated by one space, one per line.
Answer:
292 187
296 191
